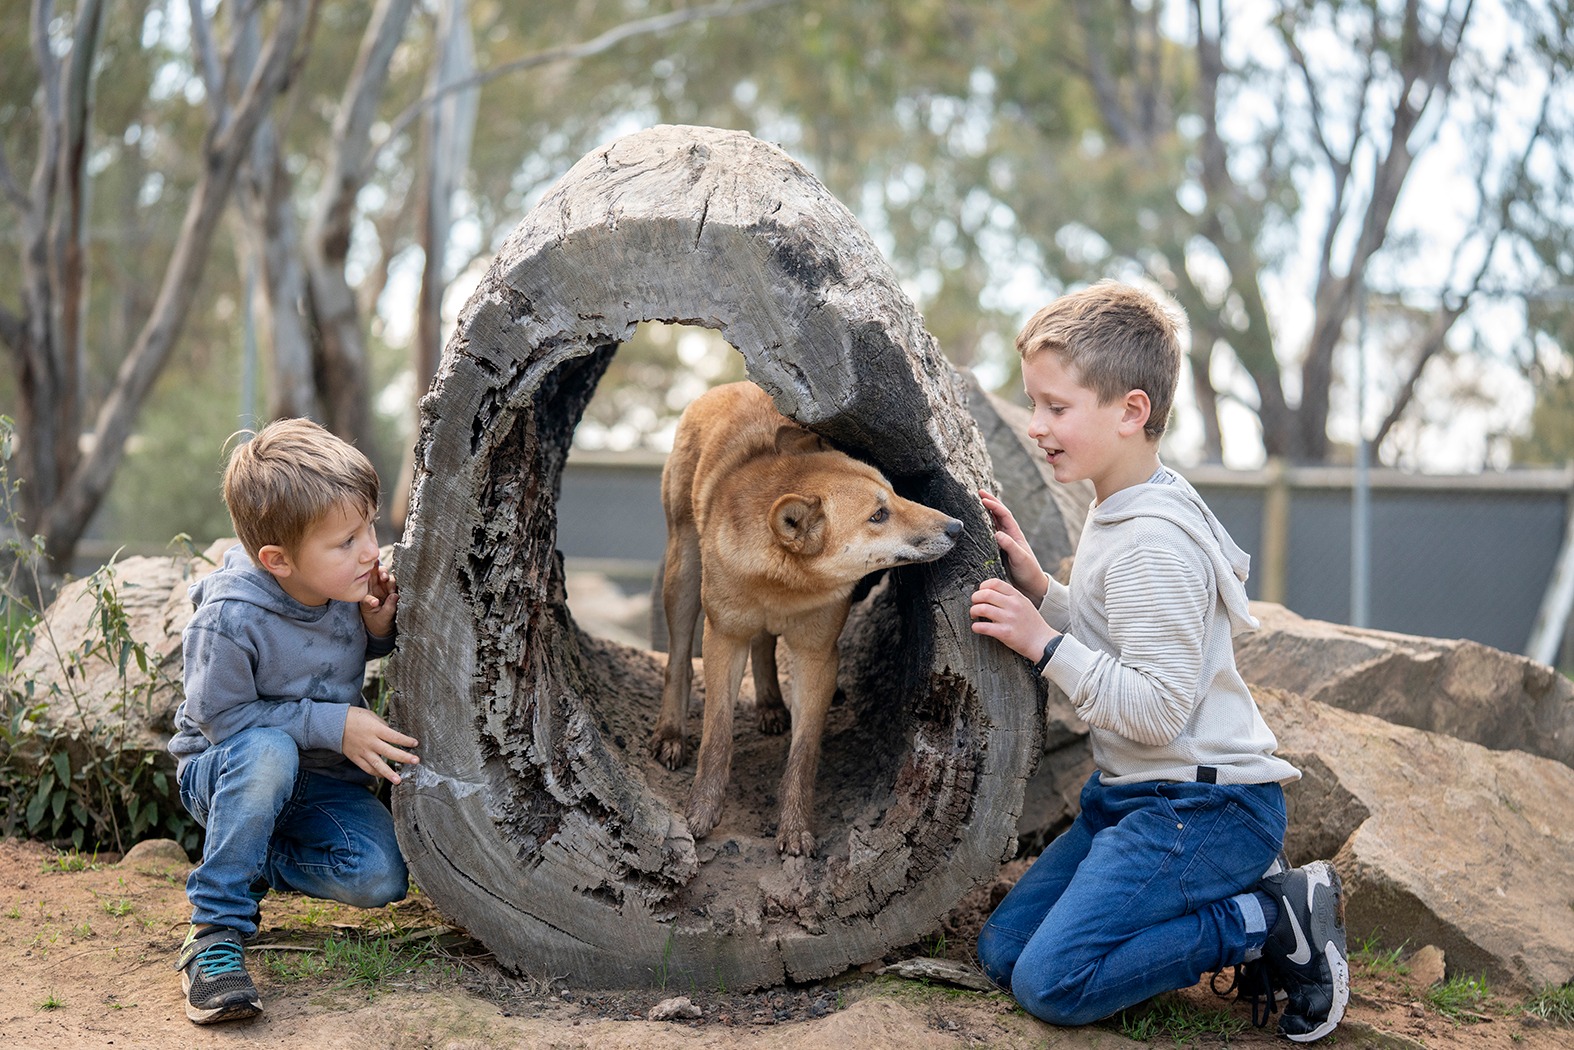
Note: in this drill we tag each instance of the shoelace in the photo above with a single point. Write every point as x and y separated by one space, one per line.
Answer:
1263 997
220 959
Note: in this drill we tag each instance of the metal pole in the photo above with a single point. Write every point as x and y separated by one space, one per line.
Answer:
1361 501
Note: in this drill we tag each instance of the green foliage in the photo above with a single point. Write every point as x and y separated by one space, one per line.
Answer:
1550 440
88 784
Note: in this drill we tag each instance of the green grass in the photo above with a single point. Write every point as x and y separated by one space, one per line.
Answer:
51 1002
1460 998
1555 1005
1181 1022
71 860
119 908
1370 953
357 961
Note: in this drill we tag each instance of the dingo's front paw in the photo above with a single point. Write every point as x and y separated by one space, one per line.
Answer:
667 746
703 813
795 841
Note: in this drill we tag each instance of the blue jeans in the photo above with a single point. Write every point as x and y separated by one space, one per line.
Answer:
1139 896
271 823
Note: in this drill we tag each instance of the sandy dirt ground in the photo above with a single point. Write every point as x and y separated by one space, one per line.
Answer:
86 960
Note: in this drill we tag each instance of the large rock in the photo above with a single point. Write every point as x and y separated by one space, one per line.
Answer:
1458 688
1439 841
83 663
75 662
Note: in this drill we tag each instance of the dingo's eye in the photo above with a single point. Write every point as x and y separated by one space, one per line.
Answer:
879 516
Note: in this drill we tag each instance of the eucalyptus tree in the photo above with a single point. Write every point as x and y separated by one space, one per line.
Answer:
1259 169
64 478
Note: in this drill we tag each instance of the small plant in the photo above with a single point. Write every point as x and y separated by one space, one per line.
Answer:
1459 998
1555 1005
51 1002
87 784
663 972
71 860
119 907
1370 953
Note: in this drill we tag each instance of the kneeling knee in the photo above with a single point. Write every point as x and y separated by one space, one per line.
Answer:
997 955
1048 998
385 885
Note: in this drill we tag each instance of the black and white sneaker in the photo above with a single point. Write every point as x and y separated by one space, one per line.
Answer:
1305 952
213 975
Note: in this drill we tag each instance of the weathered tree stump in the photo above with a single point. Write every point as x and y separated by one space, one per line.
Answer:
537 819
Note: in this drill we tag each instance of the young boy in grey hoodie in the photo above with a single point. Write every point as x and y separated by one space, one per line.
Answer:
276 750
1172 867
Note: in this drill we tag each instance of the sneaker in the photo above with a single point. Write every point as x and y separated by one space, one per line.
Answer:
1305 951
213 975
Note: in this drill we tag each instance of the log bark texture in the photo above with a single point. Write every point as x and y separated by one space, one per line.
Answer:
537 819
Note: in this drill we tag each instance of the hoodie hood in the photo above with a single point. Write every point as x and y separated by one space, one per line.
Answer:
1169 496
240 579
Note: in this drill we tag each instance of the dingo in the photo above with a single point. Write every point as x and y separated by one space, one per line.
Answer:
768 531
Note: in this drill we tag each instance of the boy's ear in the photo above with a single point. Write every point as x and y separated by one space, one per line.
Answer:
1137 408
275 559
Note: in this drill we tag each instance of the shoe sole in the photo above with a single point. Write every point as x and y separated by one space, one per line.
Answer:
234 1010
1334 951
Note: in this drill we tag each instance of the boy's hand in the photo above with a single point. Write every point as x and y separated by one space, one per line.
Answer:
380 603
1022 566
371 744
1002 612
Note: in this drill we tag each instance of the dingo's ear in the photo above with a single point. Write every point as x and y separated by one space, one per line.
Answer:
796 439
799 523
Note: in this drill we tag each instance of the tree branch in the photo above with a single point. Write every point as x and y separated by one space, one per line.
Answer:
572 53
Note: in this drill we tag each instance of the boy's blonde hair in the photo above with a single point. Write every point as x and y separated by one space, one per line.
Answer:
1115 338
287 477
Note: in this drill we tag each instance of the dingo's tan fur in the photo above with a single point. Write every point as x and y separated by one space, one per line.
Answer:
768 531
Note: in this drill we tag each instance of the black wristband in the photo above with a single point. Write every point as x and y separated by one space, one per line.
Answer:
1049 651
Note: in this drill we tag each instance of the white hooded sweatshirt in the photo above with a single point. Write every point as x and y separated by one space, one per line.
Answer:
1157 593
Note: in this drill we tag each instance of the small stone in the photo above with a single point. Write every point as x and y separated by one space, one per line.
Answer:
156 853
1427 966
679 1008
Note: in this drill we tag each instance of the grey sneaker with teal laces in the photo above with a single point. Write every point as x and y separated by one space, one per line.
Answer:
213 974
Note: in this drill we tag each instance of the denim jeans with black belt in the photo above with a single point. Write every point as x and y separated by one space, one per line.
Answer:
1146 891
270 822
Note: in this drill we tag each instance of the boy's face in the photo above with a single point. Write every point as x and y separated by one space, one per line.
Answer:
1080 438
334 560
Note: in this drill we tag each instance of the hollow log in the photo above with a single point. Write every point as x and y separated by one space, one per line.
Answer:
537 819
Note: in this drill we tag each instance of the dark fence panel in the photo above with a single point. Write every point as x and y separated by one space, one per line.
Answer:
1456 557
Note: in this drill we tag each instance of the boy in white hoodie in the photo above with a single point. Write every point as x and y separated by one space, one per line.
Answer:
1161 877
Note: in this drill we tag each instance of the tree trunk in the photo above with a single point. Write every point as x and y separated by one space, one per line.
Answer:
537 819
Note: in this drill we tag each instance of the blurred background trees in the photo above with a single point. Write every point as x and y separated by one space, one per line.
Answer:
221 212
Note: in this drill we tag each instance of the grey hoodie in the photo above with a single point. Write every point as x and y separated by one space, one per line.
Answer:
1157 593
257 657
